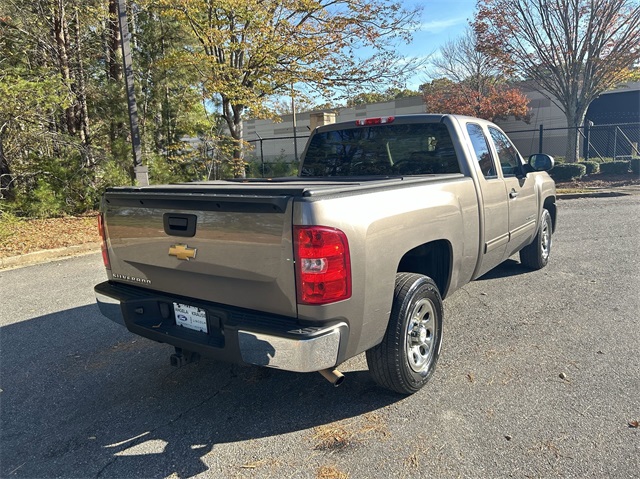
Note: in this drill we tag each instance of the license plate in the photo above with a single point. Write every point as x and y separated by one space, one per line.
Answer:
190 317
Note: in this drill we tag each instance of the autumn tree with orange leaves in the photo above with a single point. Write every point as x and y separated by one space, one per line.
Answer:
493 102
472 83
572 50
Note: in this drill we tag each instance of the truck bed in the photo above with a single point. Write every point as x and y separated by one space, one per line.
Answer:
241 238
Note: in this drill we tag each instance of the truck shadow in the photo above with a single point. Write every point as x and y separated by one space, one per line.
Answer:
83 397
508 268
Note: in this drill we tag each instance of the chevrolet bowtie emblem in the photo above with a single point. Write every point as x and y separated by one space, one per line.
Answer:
182 251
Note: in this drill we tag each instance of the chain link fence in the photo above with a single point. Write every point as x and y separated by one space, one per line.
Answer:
275 157
617 141
279 156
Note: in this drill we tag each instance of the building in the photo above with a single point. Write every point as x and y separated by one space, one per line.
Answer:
277 139
615 112
621 106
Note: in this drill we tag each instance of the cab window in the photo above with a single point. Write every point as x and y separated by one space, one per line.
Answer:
481 150
510 160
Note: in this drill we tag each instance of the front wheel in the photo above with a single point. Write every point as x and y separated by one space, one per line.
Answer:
406 358
536 255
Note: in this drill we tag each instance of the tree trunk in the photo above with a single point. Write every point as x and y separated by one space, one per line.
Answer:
575 120
237 164
82 113
62 46
113 43
6 180
114 71
233 116
158 130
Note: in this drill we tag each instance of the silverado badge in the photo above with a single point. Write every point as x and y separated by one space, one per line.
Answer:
182 251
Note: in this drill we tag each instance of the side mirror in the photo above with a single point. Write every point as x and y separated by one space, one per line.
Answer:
541 162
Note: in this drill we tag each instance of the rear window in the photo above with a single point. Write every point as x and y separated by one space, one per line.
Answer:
382 150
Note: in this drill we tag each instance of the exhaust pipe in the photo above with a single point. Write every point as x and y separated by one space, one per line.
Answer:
334 376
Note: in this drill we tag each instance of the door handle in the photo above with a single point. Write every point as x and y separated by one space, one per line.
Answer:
177 224
513 194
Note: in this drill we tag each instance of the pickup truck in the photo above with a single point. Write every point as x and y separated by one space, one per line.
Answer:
386 217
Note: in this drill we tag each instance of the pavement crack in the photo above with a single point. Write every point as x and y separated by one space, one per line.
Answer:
112 461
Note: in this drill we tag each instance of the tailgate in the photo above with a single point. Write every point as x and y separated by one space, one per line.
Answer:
229 249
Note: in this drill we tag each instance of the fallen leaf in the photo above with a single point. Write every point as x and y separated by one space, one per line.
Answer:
256 464
634 424
331 472
31 235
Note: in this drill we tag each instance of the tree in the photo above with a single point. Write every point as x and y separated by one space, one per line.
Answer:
36 101
461 61
572 50
389 94
284 106
492 102
250 50
171 106
470 82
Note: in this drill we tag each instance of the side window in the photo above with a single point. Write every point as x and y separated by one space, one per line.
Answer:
510 161
481 150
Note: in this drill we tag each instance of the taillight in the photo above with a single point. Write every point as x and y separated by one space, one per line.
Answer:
103 237
375 121
323 266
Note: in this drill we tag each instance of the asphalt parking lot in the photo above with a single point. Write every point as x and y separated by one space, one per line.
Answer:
539 377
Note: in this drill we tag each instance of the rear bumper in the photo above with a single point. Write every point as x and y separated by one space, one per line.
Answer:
234 335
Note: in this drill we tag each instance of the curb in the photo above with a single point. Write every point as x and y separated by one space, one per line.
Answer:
628 190
589 194
48 255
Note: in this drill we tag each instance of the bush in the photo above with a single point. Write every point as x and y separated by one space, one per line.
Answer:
615 168
272 169
592 167
635 165
597 159
8 224
568 172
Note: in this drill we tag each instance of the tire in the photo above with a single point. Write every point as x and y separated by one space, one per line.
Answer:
406 358
536 255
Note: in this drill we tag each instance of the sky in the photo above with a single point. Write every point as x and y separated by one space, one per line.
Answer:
442 20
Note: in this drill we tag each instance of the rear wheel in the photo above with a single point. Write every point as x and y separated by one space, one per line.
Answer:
406 358
536 255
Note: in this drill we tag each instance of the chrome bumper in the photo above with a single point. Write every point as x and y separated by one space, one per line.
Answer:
301 351
299 355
